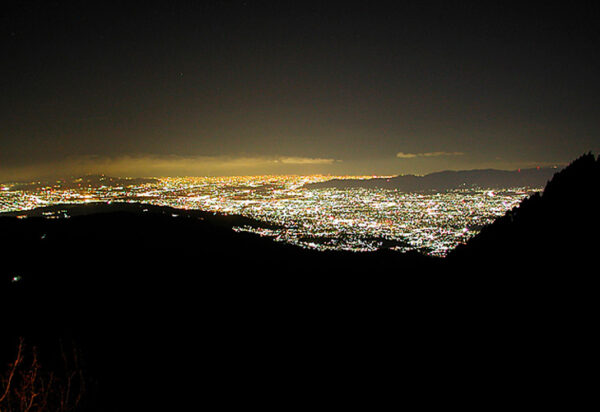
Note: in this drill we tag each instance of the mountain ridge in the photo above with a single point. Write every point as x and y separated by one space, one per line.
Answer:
91 181
447 180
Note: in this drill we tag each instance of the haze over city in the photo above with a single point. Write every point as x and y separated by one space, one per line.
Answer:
250 88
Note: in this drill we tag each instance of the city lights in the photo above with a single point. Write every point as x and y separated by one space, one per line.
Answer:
324 219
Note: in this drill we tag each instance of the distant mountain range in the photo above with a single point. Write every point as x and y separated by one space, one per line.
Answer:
446 180
90 181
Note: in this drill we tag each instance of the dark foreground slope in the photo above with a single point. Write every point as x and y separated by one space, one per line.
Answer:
172 307
177 312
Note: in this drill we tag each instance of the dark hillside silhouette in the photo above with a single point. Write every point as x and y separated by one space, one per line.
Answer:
532 273
553 231
150 295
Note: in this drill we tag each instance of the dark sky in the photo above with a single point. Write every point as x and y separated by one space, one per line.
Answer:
144 88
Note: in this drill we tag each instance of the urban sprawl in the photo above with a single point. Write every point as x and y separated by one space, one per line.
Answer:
324 219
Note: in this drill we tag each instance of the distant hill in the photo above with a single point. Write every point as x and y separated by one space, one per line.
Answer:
485 178
90 181
93 211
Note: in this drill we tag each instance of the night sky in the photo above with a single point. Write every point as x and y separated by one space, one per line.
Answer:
220 88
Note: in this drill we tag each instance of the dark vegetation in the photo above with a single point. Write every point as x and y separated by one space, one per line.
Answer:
177 312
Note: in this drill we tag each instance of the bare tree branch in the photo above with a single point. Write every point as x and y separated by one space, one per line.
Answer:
13 369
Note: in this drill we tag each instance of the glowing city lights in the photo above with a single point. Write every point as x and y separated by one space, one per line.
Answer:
325 219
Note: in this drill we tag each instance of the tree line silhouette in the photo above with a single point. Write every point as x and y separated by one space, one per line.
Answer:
555 228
